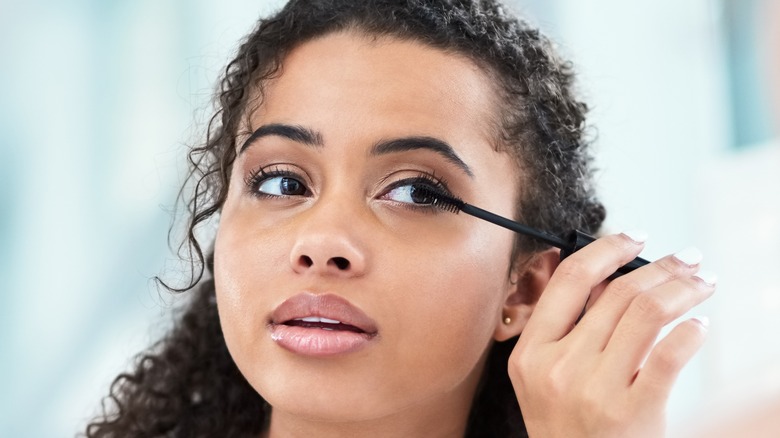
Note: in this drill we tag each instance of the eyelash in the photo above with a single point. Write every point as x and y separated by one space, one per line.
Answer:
432 182
259 176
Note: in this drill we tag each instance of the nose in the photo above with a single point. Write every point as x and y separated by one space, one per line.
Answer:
329 245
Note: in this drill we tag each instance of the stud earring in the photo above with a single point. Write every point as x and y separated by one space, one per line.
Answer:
507 320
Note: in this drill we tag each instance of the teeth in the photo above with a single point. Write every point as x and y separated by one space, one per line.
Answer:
330 321
319 319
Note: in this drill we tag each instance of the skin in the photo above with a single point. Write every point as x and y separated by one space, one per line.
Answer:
605 376
438 285
434 327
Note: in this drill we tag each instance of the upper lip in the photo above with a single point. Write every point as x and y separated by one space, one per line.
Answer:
324 306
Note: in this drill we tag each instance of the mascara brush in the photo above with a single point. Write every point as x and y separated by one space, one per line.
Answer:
573 242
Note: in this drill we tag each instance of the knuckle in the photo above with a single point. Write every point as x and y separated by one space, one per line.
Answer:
668 360
556 381
521 365
514 366
592 405
668 268
550 378
620 243
625 288
652 306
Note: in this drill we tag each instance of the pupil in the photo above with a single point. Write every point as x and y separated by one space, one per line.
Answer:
291 186
420 196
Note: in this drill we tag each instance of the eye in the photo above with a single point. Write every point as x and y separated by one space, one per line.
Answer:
408 192
282 186
270 183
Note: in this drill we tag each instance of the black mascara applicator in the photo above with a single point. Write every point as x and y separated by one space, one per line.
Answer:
572 242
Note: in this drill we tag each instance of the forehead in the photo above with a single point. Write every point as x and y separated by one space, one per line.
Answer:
357 90
422 85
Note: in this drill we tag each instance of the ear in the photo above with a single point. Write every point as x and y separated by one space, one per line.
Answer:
527 281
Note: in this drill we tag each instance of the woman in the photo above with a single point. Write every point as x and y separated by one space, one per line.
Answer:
339 303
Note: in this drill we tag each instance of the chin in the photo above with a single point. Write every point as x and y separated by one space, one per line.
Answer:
357 405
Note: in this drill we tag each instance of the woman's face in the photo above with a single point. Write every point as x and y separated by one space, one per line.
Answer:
322 224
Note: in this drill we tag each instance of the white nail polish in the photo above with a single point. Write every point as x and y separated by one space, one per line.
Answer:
703 320
690 256
637 236
707 277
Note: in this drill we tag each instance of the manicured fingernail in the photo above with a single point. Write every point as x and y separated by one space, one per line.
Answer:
710 278
703 320
690 256
637 236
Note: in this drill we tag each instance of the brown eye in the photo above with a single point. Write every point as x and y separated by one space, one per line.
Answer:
292 187
282 186
421 196
412 192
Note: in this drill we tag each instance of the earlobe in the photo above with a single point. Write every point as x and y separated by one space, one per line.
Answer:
527 283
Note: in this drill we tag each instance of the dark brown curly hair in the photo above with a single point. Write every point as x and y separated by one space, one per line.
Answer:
187 384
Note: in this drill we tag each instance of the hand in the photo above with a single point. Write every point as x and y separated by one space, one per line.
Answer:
606 376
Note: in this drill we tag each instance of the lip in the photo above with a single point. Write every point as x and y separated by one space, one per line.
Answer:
287 329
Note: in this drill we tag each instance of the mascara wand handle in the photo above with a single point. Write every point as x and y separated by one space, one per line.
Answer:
577 240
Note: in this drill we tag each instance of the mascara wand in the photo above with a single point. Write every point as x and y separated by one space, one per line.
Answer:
573 242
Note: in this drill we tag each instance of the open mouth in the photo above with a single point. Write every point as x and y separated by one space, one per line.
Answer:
321 325
319 336
317 322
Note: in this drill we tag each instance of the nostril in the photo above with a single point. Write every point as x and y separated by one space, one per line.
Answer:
341 263
306 261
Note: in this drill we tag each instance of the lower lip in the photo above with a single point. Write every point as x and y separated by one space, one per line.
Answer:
318 342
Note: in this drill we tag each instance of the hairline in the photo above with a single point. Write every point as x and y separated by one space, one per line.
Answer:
496 131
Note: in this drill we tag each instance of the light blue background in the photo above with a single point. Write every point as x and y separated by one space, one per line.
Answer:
99 99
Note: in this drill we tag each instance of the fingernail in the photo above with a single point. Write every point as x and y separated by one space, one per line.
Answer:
709 278
637 236
703 320
690 256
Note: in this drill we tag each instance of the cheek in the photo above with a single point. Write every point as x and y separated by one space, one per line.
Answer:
454 296
231 284
245 266
473 271
460 287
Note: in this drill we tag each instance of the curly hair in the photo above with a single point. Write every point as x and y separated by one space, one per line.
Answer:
187 384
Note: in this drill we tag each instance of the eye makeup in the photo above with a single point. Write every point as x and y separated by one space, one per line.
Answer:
291 183
280 181
407 188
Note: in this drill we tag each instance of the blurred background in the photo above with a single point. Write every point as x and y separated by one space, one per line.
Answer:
99 100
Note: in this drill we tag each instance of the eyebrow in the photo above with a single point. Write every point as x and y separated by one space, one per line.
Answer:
295 133
309 137
426 143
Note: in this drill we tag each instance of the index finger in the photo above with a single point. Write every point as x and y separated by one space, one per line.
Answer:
571 284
